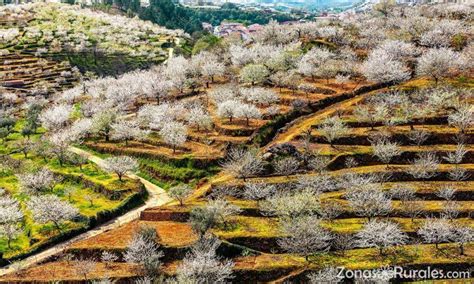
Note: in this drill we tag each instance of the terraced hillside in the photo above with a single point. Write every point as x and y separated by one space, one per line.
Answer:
308 149
27 74
253 233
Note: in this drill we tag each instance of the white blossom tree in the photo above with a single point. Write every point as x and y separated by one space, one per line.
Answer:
247 111
10 231
369 201
305 236
287 166
10 218
333 128
125 130
314 61
442 34
424 166
243 163
438 63
253 74
457 156
462 235
385 150
285 204
102 123
213 214
371 113
144 250
381 234
203 265
228 109
120 165
37 182
180 192
326 275
49 208
462 118
260 96
381 67
108 257
436 231
174 134
199 118
258 191
212 69
59 143
56 116
84 267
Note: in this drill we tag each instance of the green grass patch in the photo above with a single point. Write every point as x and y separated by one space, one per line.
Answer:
172 174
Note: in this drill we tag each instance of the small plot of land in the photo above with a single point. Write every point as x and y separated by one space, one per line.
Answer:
170 234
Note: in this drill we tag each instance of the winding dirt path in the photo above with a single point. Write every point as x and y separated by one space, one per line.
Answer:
157 197
296 127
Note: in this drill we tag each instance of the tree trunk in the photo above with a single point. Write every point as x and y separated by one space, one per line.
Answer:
57 226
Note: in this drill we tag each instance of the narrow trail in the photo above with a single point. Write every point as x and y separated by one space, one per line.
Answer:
305 122
157 197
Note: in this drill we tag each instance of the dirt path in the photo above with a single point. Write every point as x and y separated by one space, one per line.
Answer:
301 124
157 197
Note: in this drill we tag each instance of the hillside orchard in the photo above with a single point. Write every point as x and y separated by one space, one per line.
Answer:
310 146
